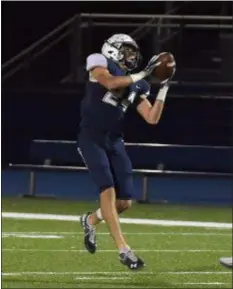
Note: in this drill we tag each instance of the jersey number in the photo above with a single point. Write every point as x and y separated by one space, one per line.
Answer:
114 101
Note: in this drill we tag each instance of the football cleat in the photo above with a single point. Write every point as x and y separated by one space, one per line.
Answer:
131 260
226 261
89 234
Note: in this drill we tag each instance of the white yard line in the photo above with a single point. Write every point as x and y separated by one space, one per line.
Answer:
32 236
125 275
31 216
110 251
125 233
119 273
188 283
203 283
102 278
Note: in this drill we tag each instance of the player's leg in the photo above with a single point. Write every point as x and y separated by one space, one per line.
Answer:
99 168
122 187
123 177
120 165
110 215
121 205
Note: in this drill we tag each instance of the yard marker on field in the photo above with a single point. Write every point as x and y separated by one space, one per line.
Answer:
118 273
142 234
33 236
202 283
101 278
31 216
113 251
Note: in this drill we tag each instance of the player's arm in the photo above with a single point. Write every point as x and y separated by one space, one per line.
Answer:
105 78
152 113
98 67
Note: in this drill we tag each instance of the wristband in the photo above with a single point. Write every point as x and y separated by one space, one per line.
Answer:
162 93
138 76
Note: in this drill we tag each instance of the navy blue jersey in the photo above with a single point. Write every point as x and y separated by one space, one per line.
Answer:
105 109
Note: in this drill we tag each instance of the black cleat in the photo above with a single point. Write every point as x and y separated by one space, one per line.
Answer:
89 234
131 260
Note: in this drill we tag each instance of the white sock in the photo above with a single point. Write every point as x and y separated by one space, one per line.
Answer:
99 214
90 225
125 250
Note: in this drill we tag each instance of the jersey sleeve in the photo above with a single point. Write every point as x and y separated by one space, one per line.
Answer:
94 60
145 89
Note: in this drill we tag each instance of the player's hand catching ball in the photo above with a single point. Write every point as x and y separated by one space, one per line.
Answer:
152 64
166 68
162 66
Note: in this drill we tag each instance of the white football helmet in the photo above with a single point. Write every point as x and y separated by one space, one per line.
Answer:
118 47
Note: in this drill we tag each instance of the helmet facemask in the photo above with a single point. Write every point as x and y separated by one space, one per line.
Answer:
125 53
131 56
122 49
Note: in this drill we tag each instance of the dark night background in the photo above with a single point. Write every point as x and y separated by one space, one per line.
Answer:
25 22
35 104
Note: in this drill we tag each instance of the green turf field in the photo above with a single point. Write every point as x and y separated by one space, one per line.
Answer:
50 253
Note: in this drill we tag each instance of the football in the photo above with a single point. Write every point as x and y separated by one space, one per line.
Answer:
166 67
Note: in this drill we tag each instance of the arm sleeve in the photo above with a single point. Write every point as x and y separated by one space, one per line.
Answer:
94 60
143 93
145 90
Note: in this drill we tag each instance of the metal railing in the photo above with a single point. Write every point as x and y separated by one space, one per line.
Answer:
81 21
37 43
143 172
29 54
156 25
156 16
72 142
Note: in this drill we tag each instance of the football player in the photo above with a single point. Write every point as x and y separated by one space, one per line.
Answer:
110 90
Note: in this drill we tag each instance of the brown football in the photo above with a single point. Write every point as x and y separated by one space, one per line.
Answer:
165 69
